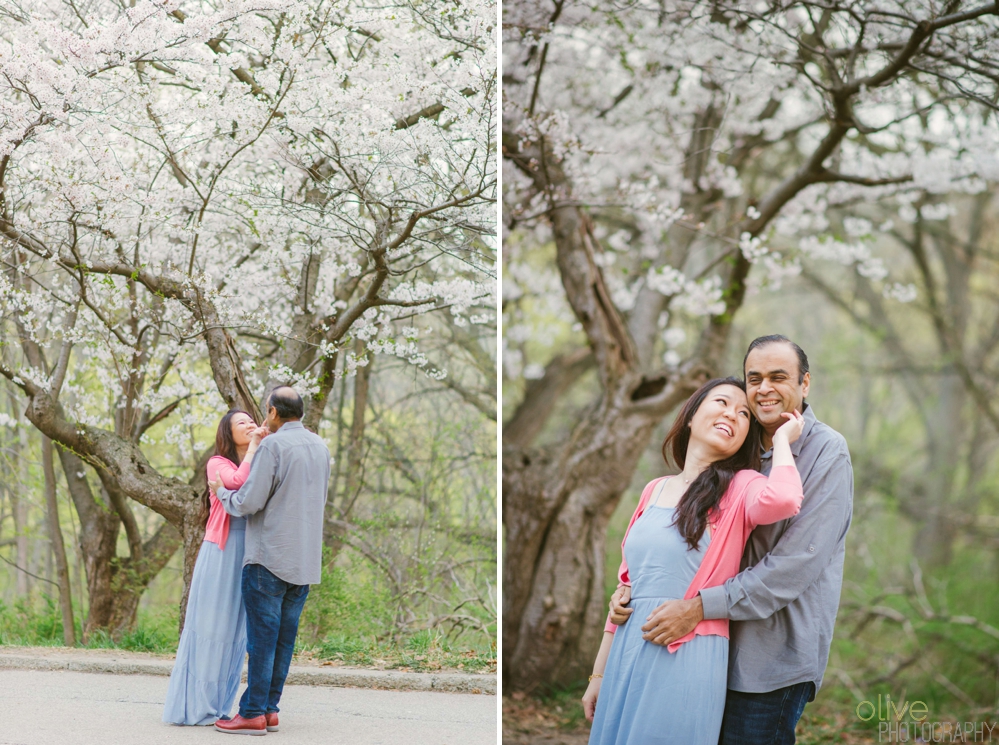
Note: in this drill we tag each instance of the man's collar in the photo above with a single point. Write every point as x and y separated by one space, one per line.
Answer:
809 416
294 424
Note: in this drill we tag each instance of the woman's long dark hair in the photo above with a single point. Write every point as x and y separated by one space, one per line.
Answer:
225 446
706 491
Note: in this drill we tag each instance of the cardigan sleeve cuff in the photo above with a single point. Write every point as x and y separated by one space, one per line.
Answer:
714 601
787 474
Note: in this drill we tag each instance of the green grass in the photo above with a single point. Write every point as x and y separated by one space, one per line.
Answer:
32 624
40 625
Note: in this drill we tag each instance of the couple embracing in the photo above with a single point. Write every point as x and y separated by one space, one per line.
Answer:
720 628
263 515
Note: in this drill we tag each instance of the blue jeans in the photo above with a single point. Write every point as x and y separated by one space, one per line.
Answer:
764 718
273 607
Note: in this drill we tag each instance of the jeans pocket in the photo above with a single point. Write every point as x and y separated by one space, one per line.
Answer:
298 594
267 583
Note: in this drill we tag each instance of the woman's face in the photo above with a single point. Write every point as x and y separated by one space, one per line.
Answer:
721 423
242 428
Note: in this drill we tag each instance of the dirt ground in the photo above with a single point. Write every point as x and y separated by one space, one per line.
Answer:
531 721
559 721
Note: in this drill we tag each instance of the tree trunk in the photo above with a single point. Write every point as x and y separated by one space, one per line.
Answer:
339 513
19 506
114 585
58 547
355 448
131 577
939 495
98 542
555 515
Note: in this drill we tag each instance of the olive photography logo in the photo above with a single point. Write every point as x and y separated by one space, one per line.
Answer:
909 721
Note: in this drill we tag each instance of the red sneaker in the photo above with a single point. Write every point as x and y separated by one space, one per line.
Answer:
272 721
239 726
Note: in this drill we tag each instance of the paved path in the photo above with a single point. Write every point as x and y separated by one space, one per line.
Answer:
75 708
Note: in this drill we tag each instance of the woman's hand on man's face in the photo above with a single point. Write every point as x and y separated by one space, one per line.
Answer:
792 428
258 434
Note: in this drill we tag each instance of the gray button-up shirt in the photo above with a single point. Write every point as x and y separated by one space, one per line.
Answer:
783 606
284 499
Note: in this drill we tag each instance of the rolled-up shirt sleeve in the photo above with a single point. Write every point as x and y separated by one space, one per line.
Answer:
806 548
255 492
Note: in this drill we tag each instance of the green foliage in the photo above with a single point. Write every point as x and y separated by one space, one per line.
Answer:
911 645
425 642
24 624
40 625
346 604
155 631
349 618
425 651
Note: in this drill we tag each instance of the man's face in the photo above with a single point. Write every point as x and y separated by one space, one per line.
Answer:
272 421
772 384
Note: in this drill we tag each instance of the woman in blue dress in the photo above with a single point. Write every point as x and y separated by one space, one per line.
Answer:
212 647
688 532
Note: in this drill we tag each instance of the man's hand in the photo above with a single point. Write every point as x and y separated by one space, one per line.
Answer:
618 612
672 620
215 484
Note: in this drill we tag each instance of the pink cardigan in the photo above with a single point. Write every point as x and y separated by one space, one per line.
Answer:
217 529
751 499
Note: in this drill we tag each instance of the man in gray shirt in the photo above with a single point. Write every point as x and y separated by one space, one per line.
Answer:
783 604
283 499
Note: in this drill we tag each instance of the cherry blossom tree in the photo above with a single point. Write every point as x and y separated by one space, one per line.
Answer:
661 161
200 200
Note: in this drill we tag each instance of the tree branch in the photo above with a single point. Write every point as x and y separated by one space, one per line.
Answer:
541 396
429 112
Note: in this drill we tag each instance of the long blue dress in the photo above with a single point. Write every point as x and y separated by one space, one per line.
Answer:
212 647
648 695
